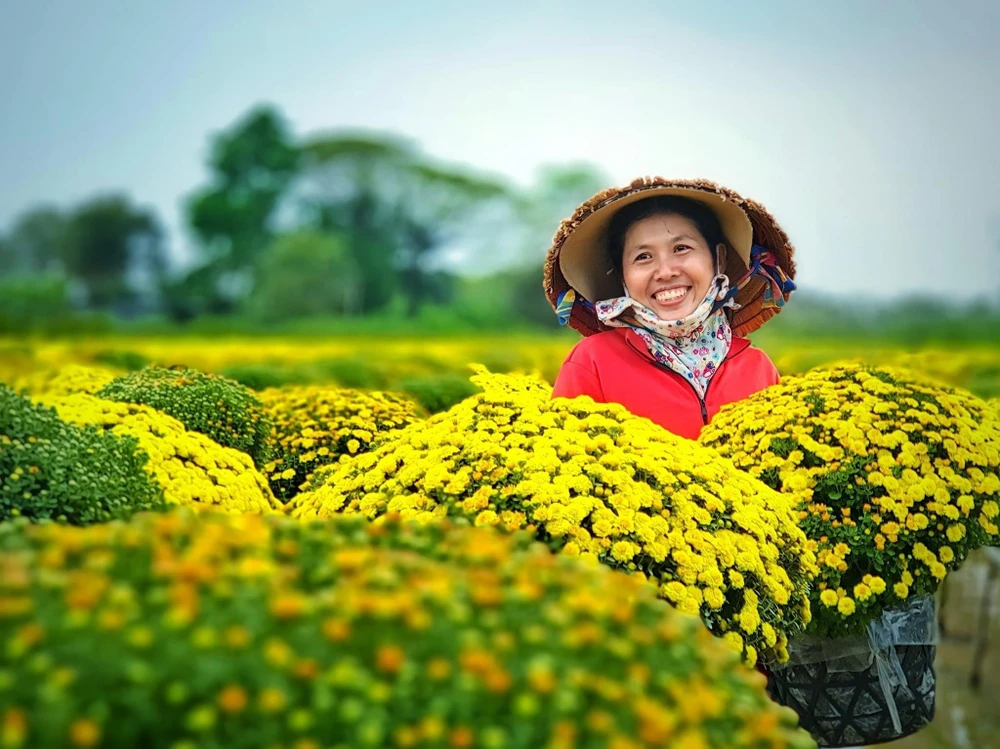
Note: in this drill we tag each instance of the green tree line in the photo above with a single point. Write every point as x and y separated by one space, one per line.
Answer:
345 223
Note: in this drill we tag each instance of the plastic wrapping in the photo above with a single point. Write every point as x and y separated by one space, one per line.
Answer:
878 651
914 623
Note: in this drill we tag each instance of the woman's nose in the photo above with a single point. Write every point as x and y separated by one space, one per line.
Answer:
665 270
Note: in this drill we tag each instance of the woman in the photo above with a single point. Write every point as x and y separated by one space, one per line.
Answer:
664 278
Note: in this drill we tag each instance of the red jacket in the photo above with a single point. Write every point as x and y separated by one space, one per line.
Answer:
616 367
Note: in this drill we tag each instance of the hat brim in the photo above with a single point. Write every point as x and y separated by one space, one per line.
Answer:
578 257
584 260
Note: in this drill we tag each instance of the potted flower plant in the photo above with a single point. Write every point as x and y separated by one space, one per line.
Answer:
896 481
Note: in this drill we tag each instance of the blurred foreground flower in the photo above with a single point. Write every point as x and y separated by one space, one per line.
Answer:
246 631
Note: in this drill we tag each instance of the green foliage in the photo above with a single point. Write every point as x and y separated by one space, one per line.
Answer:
305 274
218 407
438 393
53 470
261 376
127 360
352 372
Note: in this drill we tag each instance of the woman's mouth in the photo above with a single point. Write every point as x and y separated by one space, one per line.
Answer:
671 297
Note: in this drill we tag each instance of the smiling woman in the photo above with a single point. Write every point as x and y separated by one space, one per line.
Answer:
664 278
666 251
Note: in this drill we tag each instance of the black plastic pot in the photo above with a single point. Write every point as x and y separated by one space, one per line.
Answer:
849 708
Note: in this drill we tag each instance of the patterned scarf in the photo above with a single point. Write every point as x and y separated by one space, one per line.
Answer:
693 346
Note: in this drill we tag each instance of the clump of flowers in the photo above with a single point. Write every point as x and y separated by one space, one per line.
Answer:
189 466
896 479
593 480
218 407
314 426
53 470
248 631
65 380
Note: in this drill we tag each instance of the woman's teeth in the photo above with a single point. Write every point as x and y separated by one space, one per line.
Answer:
669 295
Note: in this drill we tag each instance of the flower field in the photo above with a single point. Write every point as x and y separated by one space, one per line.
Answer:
298 544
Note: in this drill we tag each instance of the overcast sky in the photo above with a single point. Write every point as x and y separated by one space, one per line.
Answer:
868 129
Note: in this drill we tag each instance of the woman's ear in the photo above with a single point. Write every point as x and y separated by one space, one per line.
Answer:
720 257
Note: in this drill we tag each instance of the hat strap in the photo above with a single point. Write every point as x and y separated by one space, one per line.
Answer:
763 264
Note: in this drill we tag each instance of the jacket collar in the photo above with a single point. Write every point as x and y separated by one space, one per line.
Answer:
636 342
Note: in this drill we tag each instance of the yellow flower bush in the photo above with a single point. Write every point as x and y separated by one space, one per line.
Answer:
189 466
896 479
67 380
215 630
594 481
314 426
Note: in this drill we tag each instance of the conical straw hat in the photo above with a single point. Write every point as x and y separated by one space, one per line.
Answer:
578 259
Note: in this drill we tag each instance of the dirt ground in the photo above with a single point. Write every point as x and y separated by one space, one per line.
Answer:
965 718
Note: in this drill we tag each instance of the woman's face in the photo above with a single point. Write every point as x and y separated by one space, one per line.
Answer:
667 265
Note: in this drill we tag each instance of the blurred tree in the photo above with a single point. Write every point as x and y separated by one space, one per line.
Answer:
557 191
305 274
436 202
107 238
341 190
396 206
34 304
8 259
555 194
194 293
36 242
252 164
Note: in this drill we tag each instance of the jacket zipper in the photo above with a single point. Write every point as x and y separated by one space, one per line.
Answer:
701 401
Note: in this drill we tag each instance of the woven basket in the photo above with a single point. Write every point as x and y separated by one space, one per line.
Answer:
848 708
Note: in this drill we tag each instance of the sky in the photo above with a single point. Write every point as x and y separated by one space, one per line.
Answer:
867 129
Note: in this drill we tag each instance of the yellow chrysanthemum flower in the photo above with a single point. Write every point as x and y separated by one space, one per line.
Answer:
828 597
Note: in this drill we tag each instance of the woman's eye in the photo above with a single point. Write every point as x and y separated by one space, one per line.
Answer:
681 248
642 256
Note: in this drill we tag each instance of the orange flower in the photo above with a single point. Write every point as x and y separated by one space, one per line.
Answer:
389 658
307 669
14 727
461 737
233 699
336 629
288 606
